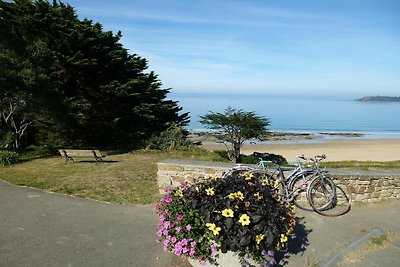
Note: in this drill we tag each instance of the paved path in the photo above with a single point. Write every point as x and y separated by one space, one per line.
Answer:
344 241
39 228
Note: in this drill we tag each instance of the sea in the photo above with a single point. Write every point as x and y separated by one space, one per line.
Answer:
301 114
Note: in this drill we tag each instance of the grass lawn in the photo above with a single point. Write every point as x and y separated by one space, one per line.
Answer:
126 178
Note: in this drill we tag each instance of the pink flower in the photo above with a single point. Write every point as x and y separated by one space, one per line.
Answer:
173 239
162 218
178 229
191 252
159 233
180 217
188 227
214 248
166 199
184 242
166 242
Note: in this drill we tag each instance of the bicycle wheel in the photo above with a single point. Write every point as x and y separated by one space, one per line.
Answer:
298 190
340 201
321 193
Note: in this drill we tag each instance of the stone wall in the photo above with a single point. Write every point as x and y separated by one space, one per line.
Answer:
366 186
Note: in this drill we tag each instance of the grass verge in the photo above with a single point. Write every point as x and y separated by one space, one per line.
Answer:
363 165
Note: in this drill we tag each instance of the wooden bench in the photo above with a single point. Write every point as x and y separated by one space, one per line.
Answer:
70 154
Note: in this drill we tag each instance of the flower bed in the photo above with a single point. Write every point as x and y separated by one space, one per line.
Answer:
240 213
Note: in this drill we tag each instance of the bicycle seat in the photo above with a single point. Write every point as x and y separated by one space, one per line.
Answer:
261 155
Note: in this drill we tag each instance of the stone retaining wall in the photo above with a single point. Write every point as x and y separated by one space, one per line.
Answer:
366 186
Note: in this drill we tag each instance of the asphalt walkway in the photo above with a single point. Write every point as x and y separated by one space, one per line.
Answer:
39 228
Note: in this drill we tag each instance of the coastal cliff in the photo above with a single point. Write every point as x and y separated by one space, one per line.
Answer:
379 99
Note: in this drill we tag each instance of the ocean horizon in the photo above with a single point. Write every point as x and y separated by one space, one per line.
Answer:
301 114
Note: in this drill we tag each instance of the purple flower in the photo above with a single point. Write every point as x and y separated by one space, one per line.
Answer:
173 239
166 199
193 244
191 252
272 261
184 242
178 229
270 253
180 217
178 252
162 218
159 233
167 225
188 227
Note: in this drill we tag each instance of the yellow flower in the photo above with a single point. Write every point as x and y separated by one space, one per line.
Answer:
239 195
259 238
293 208
249 175
283 238
179 193
291 229
264 182
227 213
212 227
236 195
216 230
257 196
210 191
197 189
276 184
244 219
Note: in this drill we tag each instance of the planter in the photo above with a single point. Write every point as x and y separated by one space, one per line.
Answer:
224 259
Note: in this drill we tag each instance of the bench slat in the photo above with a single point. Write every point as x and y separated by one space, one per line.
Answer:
70 154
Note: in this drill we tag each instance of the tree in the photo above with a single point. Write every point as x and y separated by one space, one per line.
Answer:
81 85
235 127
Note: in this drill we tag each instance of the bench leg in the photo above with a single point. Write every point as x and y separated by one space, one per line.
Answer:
97 158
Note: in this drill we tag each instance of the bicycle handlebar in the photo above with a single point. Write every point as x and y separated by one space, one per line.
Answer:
316 159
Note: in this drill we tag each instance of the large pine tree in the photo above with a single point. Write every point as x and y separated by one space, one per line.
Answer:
75 83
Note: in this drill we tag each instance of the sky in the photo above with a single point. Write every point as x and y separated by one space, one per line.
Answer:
275 47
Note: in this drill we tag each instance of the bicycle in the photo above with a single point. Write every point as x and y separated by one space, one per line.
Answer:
295 186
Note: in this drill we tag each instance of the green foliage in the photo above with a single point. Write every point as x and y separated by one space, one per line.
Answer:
240 212
79 85
235 127
8 157
6 139
174 137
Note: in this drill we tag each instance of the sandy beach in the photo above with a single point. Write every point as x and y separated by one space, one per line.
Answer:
335 150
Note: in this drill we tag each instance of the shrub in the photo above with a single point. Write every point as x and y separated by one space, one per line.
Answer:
240 212
174 137
252 159
8 157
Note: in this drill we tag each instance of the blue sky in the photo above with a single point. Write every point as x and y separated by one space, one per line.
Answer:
279 47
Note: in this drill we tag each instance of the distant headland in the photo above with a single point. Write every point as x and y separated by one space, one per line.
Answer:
379 99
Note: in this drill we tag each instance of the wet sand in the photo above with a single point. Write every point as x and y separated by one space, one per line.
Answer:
335 150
